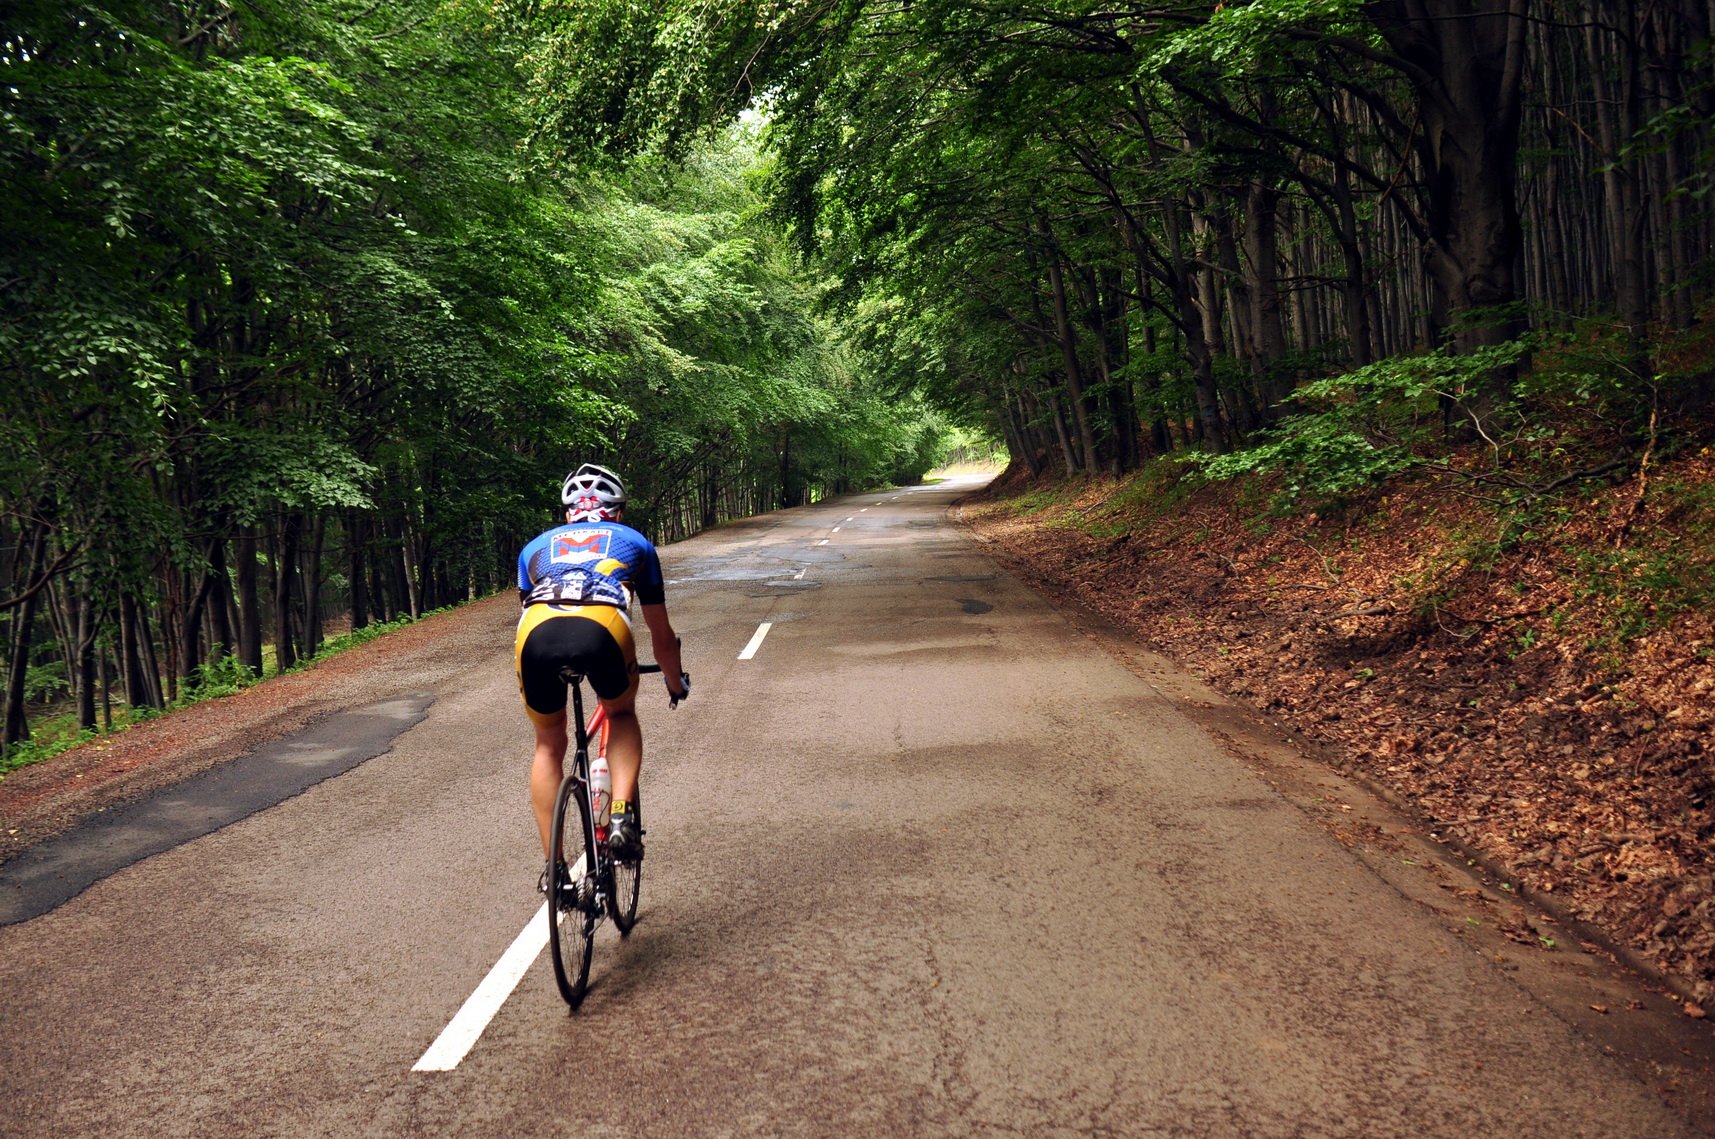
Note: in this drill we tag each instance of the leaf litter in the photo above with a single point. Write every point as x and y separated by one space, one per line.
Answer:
1482 681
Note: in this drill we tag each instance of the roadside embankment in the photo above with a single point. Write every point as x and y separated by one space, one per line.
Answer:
1540 687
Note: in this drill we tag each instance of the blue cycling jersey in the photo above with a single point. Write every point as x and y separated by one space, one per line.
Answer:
590 563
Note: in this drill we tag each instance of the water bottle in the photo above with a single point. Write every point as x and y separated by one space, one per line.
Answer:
601 788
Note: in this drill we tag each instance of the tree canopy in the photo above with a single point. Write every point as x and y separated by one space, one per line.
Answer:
294 325
1173 215
305 309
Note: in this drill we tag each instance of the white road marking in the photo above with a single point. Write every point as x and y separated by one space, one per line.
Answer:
756 640
799 576
848 520
861 509
467 1025
835 530
823 542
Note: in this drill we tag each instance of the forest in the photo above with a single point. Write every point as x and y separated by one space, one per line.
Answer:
1127 231
294 329
304 307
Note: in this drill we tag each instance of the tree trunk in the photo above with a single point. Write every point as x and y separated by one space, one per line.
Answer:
23 623
1466 69
312 579
1268 331
87 627
1197 348
355 530
1074 374
249 604
106 679
220 642
190 627
130 660
154 696
1616 123
1067 452
285 565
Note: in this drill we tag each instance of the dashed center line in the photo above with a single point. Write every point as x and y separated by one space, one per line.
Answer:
756 640
835 530
823 542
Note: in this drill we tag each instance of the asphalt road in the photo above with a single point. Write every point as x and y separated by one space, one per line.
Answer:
928 862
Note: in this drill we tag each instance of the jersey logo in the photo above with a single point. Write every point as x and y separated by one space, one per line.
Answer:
580 546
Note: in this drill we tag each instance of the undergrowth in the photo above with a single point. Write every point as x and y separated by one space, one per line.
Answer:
224 677
1629 554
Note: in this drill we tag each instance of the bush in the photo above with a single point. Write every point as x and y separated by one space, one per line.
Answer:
45 682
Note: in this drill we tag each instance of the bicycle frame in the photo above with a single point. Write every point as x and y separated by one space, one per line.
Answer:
595 729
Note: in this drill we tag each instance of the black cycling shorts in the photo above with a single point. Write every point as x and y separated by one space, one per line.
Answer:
592 639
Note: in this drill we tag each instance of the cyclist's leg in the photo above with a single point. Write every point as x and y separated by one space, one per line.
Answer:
546 770
616 686
624 745
538 651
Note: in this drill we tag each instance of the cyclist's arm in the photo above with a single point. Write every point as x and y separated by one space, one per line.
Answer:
666 645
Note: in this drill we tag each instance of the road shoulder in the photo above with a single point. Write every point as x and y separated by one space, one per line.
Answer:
1577 974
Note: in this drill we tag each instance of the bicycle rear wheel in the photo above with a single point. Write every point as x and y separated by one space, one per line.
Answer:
572 902
624 882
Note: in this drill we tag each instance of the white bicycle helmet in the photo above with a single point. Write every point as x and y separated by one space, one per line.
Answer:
592 494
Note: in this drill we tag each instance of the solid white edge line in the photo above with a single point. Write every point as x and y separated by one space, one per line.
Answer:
467 1025
756 640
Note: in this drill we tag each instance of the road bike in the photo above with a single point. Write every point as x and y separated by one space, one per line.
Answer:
589 884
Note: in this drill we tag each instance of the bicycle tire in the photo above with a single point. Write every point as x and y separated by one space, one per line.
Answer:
624 881
572 903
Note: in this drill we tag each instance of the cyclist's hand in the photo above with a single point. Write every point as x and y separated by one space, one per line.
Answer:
684 692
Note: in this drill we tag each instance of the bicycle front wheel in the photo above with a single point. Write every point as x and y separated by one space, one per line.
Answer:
625 880
572 902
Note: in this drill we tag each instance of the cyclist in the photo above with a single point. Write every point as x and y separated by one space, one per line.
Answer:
575 583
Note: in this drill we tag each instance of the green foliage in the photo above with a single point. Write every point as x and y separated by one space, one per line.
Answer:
14 756
1238 38
286 270
45 682
1366 425
223 677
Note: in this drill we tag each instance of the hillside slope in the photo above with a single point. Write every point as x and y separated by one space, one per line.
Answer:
1541 685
